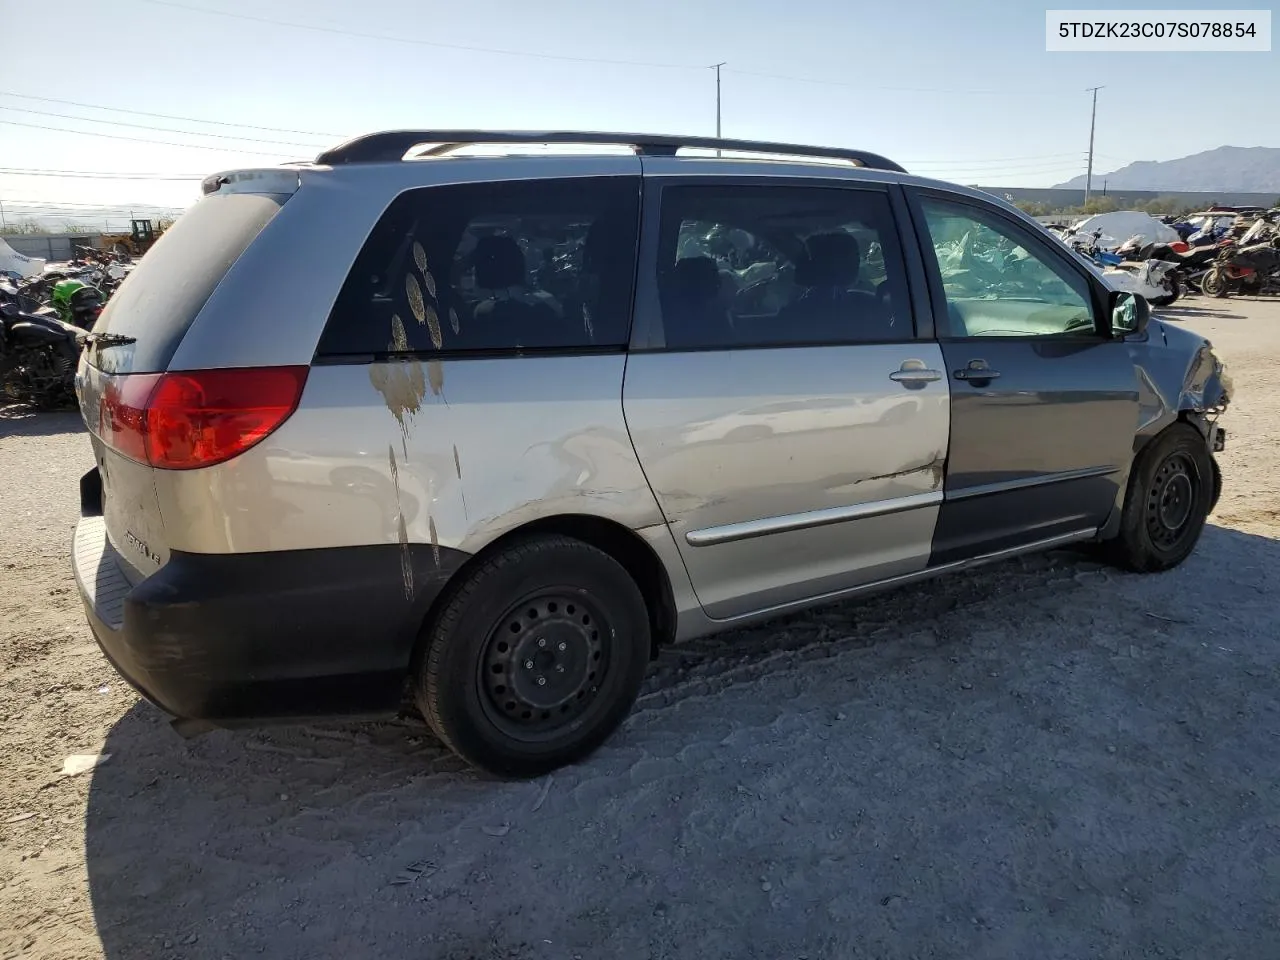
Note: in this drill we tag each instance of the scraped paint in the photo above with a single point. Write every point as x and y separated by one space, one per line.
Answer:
420 258
402 530
453 320
435 540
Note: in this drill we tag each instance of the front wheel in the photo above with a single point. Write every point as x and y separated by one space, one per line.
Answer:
1175 291
1171 490
536 657
1214 283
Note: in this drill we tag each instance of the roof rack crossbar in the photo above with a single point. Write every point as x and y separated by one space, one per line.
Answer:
392 145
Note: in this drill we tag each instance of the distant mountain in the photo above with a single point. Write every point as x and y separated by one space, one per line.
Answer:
1226 169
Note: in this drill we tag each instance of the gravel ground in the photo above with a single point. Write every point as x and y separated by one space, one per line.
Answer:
1045 758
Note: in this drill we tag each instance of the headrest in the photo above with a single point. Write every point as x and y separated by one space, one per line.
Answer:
696 279
499 263
830 260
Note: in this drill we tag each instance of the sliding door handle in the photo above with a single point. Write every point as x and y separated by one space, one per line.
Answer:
915 376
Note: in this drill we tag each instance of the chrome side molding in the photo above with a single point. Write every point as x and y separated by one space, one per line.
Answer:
748 529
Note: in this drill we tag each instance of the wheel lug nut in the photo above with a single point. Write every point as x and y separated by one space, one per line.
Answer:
559 669
528 664
542 641
542 681
562 647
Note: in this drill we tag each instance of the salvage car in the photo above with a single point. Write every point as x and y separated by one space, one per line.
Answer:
457 415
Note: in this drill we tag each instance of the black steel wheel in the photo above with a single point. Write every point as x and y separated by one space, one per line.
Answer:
1171 500
1171 490
535 657
544 663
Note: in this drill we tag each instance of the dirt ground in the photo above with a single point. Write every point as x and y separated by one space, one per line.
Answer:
1041 759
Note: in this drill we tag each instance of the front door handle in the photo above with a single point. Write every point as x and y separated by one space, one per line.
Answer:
913 375
976 370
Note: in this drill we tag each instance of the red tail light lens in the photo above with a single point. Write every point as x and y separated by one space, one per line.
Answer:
190 419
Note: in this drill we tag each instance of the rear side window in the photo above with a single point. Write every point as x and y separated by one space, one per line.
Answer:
484 267
756 266
159 300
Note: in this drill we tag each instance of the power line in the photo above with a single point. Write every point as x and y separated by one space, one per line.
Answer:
169 116
991 171
71 204
1007 91
415 41
162 143
964 163
999 171
143 126
94 174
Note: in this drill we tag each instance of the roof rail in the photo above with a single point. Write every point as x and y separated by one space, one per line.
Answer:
392 145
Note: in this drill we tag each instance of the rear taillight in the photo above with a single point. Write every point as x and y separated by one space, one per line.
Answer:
196 418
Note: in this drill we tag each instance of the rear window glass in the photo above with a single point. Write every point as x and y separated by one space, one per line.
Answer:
534 264
746 265
159 300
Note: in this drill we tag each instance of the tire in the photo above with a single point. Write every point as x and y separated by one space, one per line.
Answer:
535 658
1214 284
1171 491
1170 298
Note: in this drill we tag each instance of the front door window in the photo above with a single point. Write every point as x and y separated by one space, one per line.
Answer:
995 285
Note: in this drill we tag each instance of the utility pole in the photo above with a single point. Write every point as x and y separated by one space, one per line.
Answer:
1093 119
716 67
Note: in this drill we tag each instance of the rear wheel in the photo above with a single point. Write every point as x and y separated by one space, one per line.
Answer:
1171 490
536 657
1175 291
1214 284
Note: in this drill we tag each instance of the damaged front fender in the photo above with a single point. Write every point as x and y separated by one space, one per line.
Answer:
1180 378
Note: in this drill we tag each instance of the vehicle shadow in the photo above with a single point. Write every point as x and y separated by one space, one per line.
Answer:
371 839
1187 312
17 420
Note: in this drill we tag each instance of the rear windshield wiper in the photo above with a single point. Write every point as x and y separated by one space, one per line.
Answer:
101 340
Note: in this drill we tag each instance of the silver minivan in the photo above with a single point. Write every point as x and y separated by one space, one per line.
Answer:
489 417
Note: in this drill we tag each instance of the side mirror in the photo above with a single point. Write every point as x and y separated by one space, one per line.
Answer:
1130 313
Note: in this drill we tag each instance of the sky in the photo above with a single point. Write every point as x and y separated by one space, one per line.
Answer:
954 90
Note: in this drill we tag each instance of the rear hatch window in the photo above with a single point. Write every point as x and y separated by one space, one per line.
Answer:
160 299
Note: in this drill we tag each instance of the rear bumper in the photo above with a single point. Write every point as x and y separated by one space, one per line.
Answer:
242 638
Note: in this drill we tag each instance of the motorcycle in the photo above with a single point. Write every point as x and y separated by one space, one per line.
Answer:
1191 264
1251 270
38 355
77 303
1157 280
